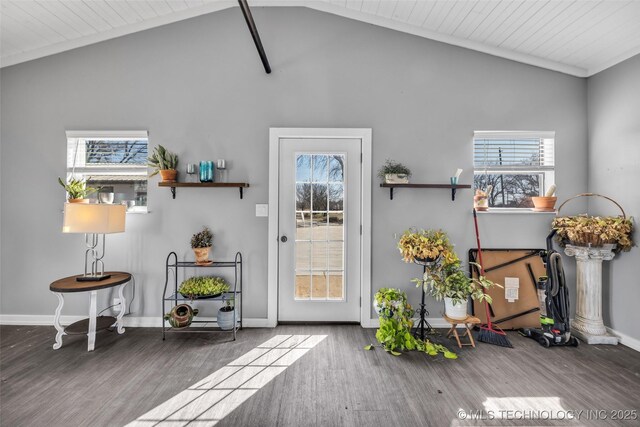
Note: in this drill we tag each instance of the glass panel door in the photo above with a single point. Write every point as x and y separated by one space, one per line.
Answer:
320 239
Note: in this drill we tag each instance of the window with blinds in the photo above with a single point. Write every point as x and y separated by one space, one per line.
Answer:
113 162
514 165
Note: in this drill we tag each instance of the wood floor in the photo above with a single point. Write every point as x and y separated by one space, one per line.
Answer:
336 383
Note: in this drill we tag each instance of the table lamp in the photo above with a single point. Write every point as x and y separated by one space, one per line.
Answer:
93 220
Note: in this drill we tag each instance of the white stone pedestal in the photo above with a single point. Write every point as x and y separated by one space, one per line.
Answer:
588 325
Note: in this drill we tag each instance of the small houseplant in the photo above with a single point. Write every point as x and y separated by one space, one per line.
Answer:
203 287
425 246
394 334
226 315
164 162
393 172
77 190
201 244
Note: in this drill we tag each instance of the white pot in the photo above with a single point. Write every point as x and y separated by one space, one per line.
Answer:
225 319
395 178
455 311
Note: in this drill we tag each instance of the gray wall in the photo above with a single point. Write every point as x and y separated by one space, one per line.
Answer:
614 170
199 88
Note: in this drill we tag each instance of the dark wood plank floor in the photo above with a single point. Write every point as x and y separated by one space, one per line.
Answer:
336 384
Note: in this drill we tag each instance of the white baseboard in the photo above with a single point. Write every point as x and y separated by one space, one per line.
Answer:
129 321
626 339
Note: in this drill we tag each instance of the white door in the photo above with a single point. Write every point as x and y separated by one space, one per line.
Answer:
319 229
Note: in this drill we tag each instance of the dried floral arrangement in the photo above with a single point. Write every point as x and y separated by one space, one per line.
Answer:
584 230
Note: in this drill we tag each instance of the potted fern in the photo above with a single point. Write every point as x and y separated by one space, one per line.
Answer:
164 162
77 190
201 243
393 172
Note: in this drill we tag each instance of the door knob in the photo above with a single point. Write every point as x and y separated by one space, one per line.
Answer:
283 239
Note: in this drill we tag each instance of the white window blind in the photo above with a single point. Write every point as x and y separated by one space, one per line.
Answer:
513 151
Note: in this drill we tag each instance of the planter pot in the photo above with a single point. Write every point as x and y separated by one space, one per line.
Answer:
225 319
168 175
544 204
480 203
78 200
396 178
181 316
202 255
455 311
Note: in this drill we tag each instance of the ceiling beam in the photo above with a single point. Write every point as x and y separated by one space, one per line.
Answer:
254 33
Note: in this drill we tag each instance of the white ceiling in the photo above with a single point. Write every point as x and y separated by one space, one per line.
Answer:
579 37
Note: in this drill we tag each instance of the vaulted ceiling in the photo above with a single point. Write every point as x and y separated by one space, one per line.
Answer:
579 37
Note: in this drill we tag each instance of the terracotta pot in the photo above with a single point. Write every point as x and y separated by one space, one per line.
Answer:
544 204
168 175
181 316
202 255
78 200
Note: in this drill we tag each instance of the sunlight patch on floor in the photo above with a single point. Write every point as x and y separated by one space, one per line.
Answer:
216 396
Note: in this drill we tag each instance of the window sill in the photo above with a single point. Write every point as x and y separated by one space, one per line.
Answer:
515 211
138 211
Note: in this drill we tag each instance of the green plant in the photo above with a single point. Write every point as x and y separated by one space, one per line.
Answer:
425 245
228 305
449 280
595 231
393 167
202 239
77 188
162 159
394 334
199 286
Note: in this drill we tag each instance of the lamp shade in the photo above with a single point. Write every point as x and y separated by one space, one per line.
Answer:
93 218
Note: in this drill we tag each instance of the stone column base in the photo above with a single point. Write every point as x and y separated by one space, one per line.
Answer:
595 339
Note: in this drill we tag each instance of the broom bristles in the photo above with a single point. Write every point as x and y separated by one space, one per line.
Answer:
491 336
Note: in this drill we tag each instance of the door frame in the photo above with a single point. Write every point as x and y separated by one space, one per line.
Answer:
275 135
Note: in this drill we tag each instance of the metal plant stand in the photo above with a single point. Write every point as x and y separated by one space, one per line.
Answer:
174 298
423 328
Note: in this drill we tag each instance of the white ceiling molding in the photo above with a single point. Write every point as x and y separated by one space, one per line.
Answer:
579 38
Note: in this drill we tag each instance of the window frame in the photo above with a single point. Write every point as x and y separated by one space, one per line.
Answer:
73 170
546 170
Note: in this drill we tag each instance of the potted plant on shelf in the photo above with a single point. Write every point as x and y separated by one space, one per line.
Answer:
425 246
394 173
203 287
226 315
77 190
481 198
201 244
547 202
164 162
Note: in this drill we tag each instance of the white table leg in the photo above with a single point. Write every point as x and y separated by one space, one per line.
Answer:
123 305
91 334
56 321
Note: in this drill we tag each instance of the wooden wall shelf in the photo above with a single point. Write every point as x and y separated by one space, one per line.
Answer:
452 187
240 185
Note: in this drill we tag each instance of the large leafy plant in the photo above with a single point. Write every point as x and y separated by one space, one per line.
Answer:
202 239
426 245
595 231
449 280
77 188
162 159
394 333
203 286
